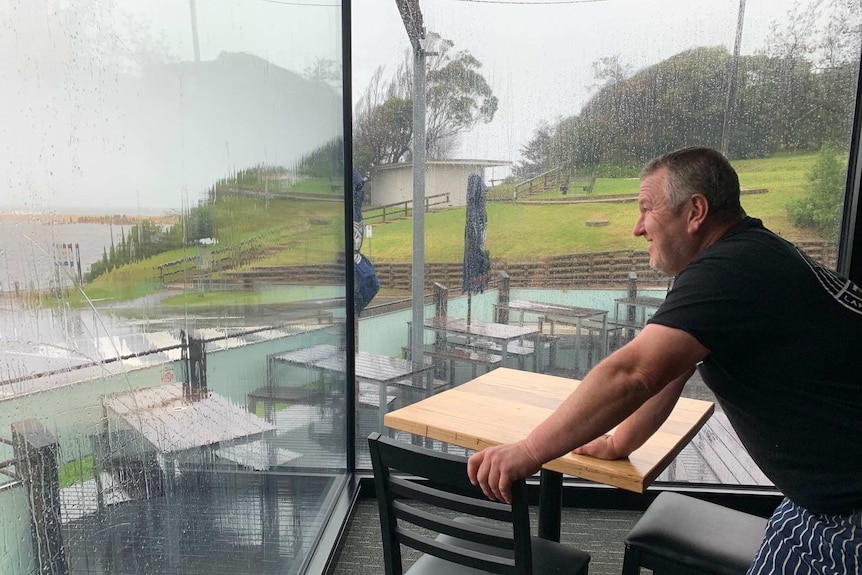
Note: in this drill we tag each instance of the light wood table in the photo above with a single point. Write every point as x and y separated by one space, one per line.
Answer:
504 405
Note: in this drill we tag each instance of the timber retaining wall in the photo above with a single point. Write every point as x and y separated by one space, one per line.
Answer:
605 269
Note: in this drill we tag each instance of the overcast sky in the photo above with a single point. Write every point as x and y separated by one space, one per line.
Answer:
537 54
65 62
88 125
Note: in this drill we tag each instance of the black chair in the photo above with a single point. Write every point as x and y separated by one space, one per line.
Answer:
682 535
435 509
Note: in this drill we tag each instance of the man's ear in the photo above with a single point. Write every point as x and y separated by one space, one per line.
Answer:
699 212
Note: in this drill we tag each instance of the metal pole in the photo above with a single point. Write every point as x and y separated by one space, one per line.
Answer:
194 18
731 82
417 329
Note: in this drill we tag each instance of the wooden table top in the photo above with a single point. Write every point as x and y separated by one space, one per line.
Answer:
504 405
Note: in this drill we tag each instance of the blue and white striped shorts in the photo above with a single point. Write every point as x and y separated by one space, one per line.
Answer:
801 542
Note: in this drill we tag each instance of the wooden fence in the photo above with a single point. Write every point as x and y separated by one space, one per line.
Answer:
402 209
539 183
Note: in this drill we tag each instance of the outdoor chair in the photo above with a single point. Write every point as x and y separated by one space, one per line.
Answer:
682 535
433 508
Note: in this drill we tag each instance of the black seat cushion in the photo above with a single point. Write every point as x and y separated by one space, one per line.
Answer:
703 536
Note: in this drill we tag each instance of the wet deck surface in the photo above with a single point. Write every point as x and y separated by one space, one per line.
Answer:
234 524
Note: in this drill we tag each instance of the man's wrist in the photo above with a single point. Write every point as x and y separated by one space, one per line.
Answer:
532 451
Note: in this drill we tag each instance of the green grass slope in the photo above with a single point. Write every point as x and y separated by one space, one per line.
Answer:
286 231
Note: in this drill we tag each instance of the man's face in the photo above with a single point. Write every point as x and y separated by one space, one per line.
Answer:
671 247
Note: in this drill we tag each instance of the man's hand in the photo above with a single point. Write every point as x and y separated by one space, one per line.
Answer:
602 447
495 468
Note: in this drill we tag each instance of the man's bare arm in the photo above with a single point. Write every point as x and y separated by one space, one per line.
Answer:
615 388
639 426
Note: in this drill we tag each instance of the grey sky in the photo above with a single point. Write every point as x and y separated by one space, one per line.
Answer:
537 57
65 139
90 125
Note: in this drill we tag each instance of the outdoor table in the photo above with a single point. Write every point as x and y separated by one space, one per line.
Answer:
569 314
173 424
641 303
505 405
500 333
307 354
380 370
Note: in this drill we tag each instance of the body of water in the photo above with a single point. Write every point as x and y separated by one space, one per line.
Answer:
33 256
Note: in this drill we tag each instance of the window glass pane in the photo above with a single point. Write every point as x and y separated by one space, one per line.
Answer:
171 231
558 106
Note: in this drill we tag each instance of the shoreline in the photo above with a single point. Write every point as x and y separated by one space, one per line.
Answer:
57 218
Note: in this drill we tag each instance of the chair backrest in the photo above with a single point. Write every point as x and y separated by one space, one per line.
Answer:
431 489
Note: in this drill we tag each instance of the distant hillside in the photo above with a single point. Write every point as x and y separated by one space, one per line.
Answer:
201 121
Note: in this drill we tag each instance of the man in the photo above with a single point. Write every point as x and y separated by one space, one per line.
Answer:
775 336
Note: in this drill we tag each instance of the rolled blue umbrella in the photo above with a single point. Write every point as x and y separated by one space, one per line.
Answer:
365 282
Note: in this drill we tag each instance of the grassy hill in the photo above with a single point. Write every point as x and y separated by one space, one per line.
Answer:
528 232
285 231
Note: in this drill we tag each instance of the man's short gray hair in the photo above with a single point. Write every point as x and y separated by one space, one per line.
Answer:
699 170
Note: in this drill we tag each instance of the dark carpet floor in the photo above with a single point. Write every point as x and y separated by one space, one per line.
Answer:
599 532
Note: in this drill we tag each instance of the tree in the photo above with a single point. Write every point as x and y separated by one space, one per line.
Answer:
535 153
457 98
384 134
814 57
677 102
324 72
610 70
821 207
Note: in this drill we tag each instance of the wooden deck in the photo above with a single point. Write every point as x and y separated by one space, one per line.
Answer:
715 455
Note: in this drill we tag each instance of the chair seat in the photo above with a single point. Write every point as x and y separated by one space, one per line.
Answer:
548 557
702 536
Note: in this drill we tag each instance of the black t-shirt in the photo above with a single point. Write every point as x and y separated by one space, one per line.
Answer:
785 363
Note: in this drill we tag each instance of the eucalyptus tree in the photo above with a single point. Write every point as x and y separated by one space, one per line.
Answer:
457 98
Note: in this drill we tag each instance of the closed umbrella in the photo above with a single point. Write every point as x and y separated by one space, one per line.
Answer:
477 262
365 282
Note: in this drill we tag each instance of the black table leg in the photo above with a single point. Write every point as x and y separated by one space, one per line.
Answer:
550 504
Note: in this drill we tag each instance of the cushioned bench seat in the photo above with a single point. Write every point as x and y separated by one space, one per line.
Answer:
682 535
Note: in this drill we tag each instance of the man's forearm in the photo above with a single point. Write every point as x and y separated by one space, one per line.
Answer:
616 388
607 395
646 420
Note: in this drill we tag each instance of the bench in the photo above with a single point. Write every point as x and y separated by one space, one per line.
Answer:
368 402
451 353
681 534
272 394
458 353
522 350
437 384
